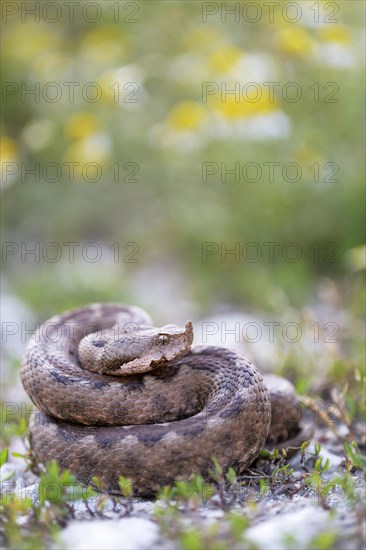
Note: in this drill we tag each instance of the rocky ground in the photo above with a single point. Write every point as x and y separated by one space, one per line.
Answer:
307 501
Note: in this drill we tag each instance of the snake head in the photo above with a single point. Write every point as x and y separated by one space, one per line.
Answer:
173 341
131 352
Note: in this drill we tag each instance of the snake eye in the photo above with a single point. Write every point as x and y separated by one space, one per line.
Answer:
163 339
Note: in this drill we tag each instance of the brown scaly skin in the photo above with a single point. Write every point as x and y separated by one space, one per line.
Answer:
166 414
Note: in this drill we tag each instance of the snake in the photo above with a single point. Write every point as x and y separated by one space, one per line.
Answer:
116 396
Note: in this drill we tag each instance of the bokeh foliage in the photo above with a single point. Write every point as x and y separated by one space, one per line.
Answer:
169 132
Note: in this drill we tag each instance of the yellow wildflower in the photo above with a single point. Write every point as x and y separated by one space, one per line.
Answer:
186 115
295 41
81 125
224 58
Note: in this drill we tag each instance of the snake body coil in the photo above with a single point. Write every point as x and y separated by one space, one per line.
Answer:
116 396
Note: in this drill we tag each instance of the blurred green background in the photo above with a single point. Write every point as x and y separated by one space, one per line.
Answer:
156 56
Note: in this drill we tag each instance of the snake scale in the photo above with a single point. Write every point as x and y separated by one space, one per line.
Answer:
117 396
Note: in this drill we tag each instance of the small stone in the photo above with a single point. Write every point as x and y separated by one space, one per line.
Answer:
126 533
271 534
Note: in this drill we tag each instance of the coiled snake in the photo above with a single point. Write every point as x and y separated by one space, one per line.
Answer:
116 396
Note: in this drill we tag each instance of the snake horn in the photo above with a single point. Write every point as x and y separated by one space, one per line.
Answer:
189 328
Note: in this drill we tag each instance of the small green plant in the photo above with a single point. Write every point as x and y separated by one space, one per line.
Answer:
187 493
264 486
177 503
238 524
191 539
58 487
323 541
317 449
320 468
3 458
45 513
354 459
13 424
222 534
268 455
282 472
